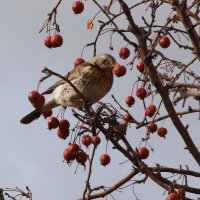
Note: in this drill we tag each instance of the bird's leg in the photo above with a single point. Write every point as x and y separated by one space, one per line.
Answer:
62 112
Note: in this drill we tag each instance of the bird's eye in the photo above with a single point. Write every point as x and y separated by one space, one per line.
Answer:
105 61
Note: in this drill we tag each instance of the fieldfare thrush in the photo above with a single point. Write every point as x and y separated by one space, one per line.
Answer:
93 78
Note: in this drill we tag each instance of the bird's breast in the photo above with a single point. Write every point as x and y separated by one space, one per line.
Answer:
95 85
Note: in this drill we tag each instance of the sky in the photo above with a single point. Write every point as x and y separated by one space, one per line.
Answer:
31 154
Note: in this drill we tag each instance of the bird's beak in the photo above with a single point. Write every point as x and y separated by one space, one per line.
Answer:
113 65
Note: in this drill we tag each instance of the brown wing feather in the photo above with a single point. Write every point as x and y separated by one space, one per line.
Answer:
51 89
71 75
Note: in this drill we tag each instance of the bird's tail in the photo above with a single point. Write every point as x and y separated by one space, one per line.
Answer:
30 117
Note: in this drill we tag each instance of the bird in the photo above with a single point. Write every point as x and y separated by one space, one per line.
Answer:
93 78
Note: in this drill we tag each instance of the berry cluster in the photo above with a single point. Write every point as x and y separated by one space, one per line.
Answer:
73 151
36 99
141 92
56 40
53 41
124 53
176 195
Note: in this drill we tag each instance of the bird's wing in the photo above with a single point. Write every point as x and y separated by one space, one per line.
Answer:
51 88
75 73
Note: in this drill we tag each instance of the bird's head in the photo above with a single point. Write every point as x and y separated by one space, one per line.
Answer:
103 61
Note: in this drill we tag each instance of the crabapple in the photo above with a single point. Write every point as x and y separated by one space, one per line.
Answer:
96 140
124 53
53 123
143 152
104 159
119 70
164 42
86 140
56 40
78 7
47 42
162 131
141 93
140 66
129 101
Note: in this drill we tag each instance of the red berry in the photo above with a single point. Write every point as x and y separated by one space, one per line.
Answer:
64 124
86 140
164 42
36 99
78 61
96 140
141 93
172 196
69 155
56 40
47 113
119 70
143 152
150 110
78 7
140 66
104 159
152 127
129 101
47 42
53 123
181 192
81 157
63 133
74 148
34 96
124 53
128 117
40 103
162 131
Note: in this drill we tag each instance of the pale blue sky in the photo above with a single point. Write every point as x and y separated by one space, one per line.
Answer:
32 155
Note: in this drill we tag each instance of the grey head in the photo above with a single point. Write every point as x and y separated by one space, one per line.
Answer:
104 61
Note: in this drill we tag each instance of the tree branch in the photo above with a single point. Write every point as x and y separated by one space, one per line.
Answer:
1 194
160 88
114 187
